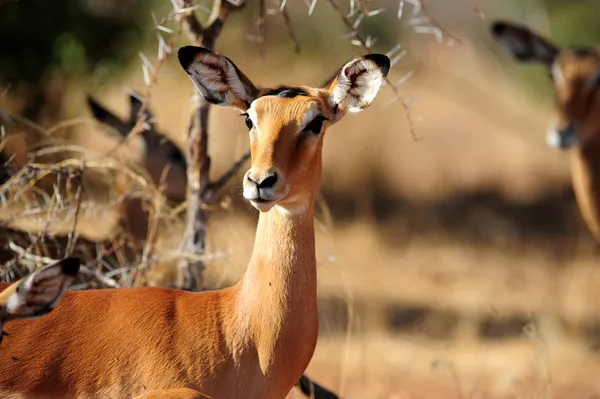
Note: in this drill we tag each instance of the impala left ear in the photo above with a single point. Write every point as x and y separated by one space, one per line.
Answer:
39 292
357 84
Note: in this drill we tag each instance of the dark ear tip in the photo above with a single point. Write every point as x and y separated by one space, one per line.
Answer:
95 107
70 266
382 61
134 99
91 101
187 55
498 28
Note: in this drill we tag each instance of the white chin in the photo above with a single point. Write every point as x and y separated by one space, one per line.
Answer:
263 206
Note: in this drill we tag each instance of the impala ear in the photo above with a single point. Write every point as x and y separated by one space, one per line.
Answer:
524 44
217 78
357 84
39 292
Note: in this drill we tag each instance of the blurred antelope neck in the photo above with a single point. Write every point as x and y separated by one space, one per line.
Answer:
585 172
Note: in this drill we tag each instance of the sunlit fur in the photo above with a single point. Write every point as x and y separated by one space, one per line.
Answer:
576 121
253 340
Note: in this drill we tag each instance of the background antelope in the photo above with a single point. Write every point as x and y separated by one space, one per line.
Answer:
235 342
575 124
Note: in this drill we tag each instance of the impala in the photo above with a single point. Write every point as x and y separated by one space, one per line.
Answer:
576 122
251 340
36 294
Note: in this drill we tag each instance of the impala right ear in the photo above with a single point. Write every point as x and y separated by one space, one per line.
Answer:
524 44
39 292
217 78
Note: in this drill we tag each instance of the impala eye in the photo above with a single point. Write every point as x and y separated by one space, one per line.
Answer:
249 123
315 125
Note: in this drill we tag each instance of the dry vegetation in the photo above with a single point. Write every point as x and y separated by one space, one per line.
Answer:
452 260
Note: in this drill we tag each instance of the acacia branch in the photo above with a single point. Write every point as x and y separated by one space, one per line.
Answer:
366 45
225 177
288 24
201 191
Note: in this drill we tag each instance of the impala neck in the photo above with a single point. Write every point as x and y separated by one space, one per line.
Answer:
278 298
283 260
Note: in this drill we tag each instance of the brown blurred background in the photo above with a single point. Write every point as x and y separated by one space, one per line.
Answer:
454 265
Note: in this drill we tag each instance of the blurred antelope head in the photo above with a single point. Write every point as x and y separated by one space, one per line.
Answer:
576 76
286 124
160 152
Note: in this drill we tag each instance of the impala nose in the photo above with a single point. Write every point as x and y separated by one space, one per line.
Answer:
267 182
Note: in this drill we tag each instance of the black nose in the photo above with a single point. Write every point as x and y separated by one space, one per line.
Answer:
267 182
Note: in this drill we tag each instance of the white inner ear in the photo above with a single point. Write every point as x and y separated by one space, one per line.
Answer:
216 77
367 77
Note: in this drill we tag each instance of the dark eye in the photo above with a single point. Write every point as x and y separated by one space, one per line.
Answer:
315 125
248 121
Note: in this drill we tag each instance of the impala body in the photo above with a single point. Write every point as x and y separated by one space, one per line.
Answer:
576 122
252 340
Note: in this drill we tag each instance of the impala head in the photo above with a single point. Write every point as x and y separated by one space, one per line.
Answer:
576 76
38 293
160 152
286 123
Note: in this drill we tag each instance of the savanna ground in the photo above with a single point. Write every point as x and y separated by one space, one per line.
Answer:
455 265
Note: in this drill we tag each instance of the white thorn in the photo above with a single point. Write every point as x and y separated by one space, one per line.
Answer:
398 57
358 21
394 50
404 78
312 7
375 12
400 9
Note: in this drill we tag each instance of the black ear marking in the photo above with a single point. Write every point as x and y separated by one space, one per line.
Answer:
382 61
187 54
70 266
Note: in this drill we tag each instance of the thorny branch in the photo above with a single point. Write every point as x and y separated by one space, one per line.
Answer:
367 45
72 237
201 190
421 24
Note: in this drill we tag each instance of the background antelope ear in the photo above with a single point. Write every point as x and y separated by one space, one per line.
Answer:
135 105
524 44
217 78
357 84
107 118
